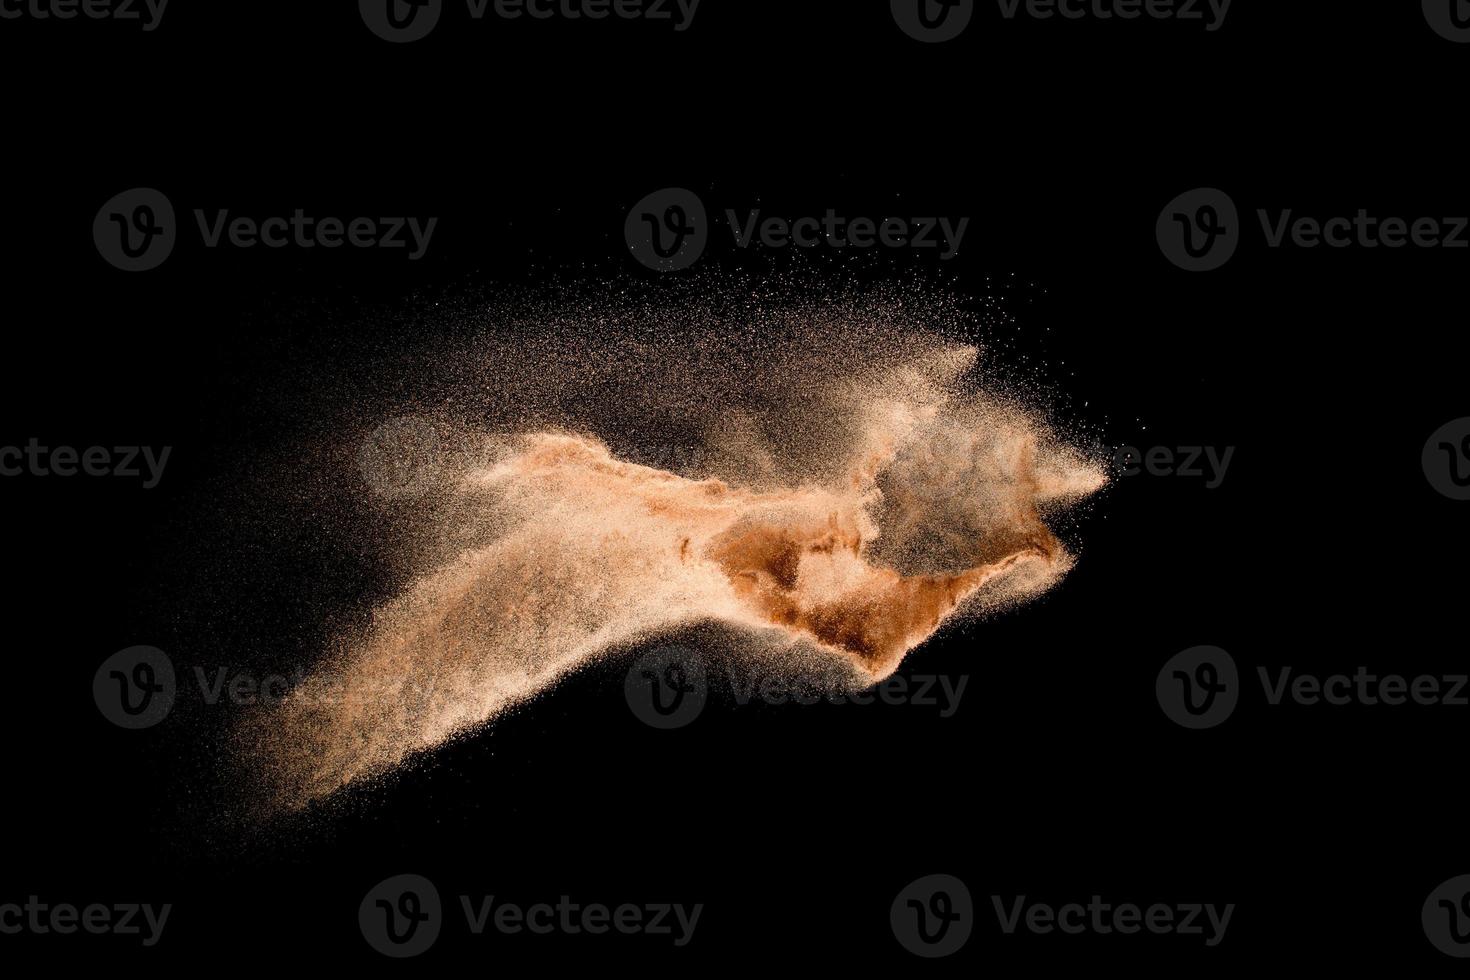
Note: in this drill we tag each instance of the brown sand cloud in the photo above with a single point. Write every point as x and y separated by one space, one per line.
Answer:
844 491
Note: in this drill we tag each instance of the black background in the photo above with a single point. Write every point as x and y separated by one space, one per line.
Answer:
1324 549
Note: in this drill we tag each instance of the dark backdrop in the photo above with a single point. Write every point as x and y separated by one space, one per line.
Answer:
1059 778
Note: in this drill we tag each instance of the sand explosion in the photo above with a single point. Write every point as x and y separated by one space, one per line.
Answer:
842 493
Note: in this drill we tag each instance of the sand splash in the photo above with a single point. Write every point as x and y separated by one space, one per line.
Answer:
842 492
